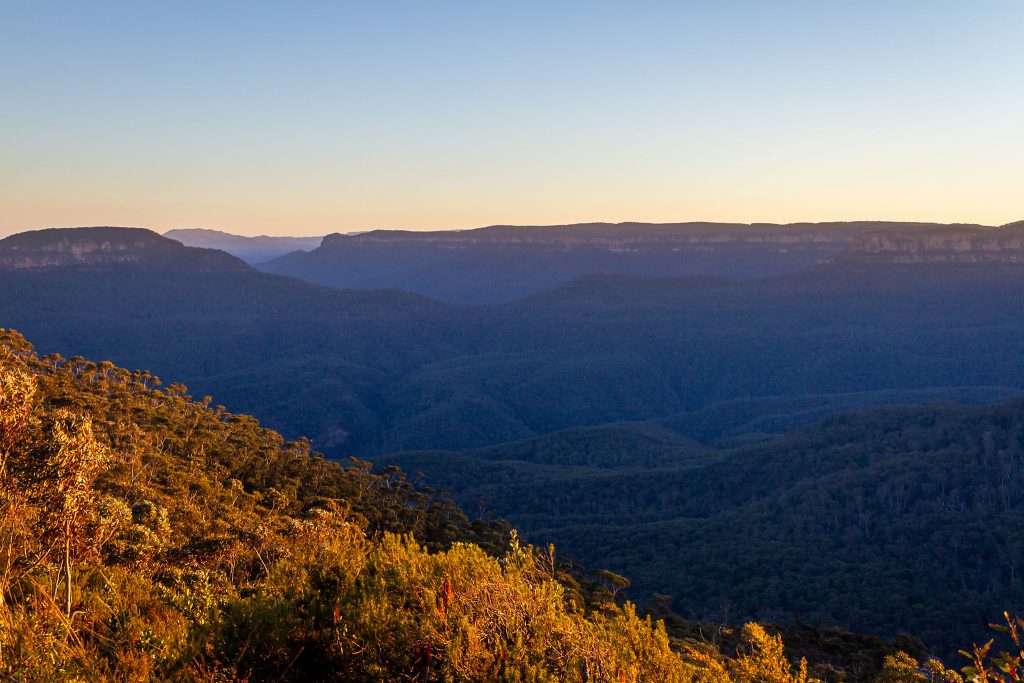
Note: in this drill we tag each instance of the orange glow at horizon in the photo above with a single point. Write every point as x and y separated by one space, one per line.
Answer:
345 117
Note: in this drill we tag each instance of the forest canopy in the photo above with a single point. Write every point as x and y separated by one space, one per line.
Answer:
149 536
145 535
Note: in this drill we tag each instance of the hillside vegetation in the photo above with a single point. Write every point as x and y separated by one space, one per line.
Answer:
895 519
148 536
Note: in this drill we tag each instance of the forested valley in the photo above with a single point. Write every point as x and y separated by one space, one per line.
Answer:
150 536
834 453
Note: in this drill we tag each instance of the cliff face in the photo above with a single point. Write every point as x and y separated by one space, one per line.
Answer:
502 262
100 247
996 245
625 236
624 242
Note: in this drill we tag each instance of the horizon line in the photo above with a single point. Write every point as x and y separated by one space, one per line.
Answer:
164 231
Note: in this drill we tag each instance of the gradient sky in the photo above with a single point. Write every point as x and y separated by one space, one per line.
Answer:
307 118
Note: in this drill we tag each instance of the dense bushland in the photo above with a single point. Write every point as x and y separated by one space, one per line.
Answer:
898 519
147 536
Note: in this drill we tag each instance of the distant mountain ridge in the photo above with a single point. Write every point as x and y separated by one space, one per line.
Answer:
105 246
366 372
503 263
638 233
250 249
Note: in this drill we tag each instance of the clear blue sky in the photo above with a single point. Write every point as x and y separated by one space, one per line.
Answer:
306 118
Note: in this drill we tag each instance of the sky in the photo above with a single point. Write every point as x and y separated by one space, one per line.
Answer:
314 117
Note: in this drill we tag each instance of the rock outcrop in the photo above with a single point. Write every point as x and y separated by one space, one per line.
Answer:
945 245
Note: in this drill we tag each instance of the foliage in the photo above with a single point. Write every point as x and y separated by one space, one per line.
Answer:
1001 667
148 536
900 519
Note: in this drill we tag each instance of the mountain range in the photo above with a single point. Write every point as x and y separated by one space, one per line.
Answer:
502 263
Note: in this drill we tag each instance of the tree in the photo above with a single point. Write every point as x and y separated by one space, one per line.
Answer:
60 471
17 394
902 668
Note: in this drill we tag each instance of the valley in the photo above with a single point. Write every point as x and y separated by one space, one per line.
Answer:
629 419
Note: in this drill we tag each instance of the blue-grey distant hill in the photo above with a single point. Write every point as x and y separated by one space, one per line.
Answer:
249 249
504 263
366 372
